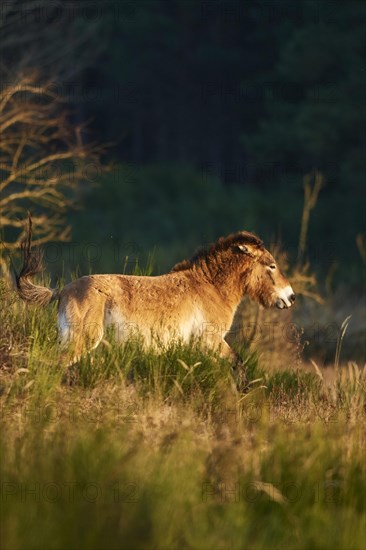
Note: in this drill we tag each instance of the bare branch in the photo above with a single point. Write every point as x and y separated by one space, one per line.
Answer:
43 161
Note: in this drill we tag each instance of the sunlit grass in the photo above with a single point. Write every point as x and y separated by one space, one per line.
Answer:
134 448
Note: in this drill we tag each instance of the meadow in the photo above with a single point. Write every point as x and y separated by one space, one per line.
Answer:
135 449
135 132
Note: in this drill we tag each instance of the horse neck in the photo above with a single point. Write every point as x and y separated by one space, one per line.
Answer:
224 275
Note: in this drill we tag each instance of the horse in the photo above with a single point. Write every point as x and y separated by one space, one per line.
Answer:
198 298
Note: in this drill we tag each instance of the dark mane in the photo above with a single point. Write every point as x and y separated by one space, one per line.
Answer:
241 237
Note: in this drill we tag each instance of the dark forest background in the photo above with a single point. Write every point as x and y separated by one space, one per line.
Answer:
214 112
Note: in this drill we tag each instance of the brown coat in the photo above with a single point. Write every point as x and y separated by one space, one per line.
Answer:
197 299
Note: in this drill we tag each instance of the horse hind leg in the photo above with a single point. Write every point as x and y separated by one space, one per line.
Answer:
77 337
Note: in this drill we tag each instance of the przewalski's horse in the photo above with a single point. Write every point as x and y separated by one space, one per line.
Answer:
186 303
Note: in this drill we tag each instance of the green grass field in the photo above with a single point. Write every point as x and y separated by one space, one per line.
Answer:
132 449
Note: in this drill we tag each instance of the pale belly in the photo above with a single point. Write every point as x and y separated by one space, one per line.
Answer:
162 331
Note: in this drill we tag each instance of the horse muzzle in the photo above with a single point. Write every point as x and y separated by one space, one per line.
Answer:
285 298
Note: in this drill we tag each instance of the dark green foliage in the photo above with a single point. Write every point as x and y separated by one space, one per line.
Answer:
255 94
169 209
161 214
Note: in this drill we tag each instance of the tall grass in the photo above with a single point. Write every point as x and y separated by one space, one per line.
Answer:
138 449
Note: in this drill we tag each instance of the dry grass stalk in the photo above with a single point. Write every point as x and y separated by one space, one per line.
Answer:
311 193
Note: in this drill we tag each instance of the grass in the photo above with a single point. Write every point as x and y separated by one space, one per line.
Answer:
134 449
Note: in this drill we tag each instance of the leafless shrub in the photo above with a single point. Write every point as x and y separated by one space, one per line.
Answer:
43 161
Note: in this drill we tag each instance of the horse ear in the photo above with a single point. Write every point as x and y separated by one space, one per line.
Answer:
246 250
